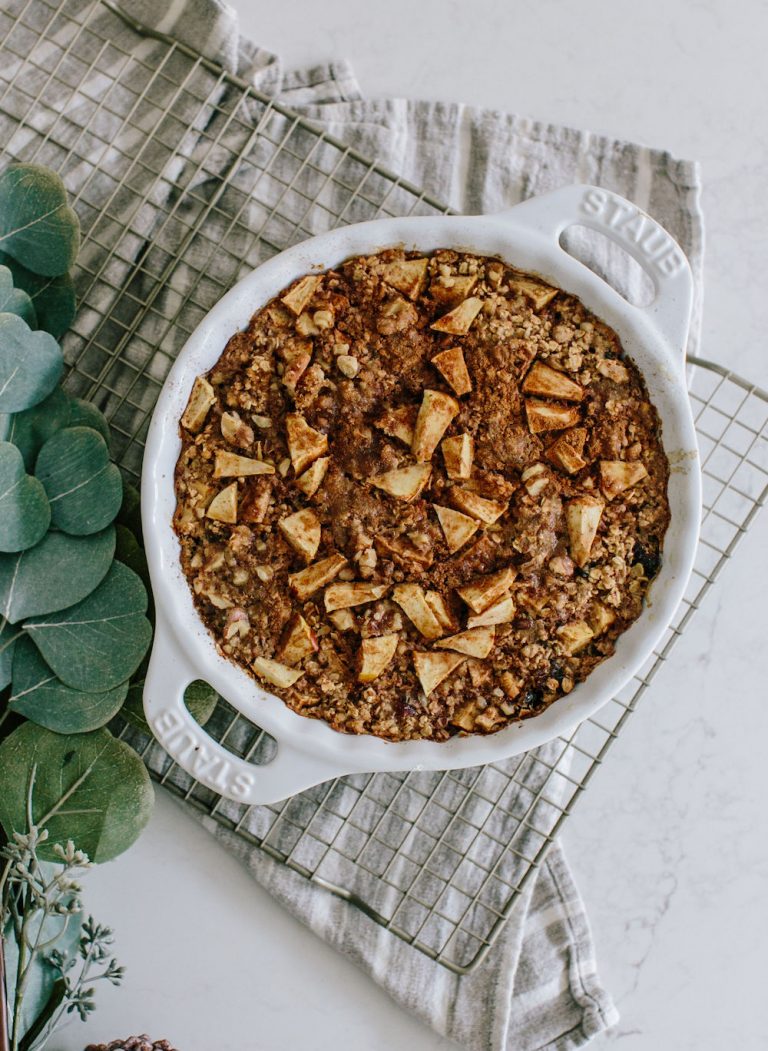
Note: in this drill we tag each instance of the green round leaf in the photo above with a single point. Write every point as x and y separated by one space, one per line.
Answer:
56 573
8 638
99 642
129 514
29 430
53 298
15 300
24 511
128 552
90 788
37 226
42 697
30 364
84 488
85 414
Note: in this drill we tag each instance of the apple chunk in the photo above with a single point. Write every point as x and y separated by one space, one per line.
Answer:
413 602
476 642
451 365
223 507
275 672
487 590
546 416
342 596
433 668
406 275
439 607
297 641
582 517
312 479
298 298
618 475
305 444
307 581
457 528
567 452
478 507
575 636
538 293
435 415
502 612
374 655
399 423
404 483
458 322
201 399
458 454
542 379
302 531
230 465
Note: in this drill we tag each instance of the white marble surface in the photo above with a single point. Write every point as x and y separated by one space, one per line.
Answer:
669 845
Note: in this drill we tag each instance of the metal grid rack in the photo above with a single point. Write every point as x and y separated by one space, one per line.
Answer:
185 178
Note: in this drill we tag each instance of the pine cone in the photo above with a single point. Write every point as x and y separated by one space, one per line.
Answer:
133 1043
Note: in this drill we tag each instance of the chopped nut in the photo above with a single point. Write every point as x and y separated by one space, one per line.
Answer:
582 516
342 596
551 383
265 573
306 326
435 414
510 685
451 365
404 483
229 465
616 476
432 668
312 479
302 531
458 454
374 656
298 298
237 624
544 416
475 506
305 444
457 528
487 590
276 673
200 401
562 565
309 580
323 319
406 275
457 322
413 602
348 365
477 642
223 507
297 641
263 422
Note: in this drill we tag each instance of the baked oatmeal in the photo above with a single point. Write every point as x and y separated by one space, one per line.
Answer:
420 495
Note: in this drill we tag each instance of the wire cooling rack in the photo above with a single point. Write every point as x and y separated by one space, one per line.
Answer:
185 178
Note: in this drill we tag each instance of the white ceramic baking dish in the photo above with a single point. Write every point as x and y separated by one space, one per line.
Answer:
527 236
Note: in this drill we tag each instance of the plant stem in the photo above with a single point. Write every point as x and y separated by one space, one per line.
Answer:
4 1037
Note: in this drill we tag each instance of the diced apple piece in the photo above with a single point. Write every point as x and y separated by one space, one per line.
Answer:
307 581
476 642
502 612
538 293
343 620
488 511
567 451
465 716
230 465
457 528
399 423
342 596
374 655
297 641
295 369
487 590
542 379
582 517
223 507
544 416
600 618
458 454
442 613
451 365
201 399
302 531
312 479
404 483
432 668
575 636
300 295
446 291
275 672
406 275
618 475
236 430
413 602
535 479
613 370
458 322
305 444
435 415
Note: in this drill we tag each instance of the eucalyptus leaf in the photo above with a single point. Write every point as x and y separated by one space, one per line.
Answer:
37 226
129 514
30 364
128 552
83 486
30 429
90 788
24 510
85 414
8 637
15 300
41 696
53 298
199 697
58 572
99 642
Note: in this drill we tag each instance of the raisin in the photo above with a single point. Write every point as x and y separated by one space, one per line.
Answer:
647 554
533 698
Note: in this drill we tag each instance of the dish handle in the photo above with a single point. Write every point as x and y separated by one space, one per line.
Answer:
648 243
195 751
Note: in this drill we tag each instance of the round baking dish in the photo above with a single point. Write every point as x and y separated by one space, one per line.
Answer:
528 237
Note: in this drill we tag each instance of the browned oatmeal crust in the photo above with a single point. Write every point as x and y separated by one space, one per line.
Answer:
421 495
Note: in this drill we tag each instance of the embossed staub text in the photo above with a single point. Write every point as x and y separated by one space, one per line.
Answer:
636 228
193 752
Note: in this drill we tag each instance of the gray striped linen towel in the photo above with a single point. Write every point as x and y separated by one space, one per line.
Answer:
538 987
